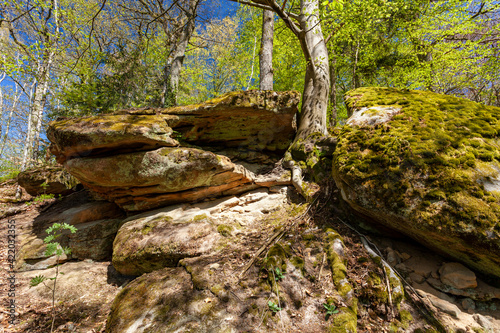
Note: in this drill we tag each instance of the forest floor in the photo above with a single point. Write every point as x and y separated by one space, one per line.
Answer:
88 312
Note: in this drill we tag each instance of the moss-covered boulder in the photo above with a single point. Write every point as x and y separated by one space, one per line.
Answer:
165 301
427 165
147 180
47 180
108 134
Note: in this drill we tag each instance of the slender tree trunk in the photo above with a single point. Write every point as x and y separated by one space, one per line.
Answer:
333 91
355 78
28 144
266 51
17 96
174 66
253 61
317 80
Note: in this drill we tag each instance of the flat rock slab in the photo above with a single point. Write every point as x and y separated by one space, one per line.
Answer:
457 276
425 171
107 134
248 120
147 180
47 180
255 120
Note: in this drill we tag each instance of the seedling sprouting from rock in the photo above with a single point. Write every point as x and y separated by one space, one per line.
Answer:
53 247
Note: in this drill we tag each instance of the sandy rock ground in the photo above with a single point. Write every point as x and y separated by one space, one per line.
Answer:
87 288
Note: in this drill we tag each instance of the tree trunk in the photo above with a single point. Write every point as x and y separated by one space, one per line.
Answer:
17 96
317 80
266 51
174 65
253 61
333 92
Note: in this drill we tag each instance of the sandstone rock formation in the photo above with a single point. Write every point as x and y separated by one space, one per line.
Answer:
427 166
97 223
160 238
148 158
47 180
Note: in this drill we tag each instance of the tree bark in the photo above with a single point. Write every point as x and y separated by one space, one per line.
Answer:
317 79
333 92
266 51
173 67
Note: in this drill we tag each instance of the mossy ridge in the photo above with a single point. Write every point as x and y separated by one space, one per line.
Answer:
425 155
346 320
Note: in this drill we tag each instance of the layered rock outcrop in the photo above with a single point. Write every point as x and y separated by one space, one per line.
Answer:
148 158
47 180
428 166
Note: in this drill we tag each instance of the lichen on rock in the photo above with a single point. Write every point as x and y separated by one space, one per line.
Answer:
427 172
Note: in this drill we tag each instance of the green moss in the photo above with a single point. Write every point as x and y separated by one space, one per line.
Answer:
298 263
199 217
276 257
346 320
224 230
426 165
146 229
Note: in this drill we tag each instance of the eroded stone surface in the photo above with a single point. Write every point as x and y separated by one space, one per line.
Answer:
107 134
160 238
96 221
457 276
47 180
146 180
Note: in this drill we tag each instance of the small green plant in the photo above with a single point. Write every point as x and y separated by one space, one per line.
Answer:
44 185
40 198
279 274
53 247
273 307
331 309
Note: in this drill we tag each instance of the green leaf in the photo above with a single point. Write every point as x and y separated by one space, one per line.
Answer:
37 280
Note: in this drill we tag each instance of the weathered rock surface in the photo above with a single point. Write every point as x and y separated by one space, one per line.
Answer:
250 120
429 171
57 180
457 276
254 120
129 158
97 223
108 134
146 180
160 238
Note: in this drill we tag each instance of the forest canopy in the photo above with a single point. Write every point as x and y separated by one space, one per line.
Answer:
75 58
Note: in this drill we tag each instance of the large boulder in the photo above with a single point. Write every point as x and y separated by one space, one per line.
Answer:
47 180
246 121
160 238
428 166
